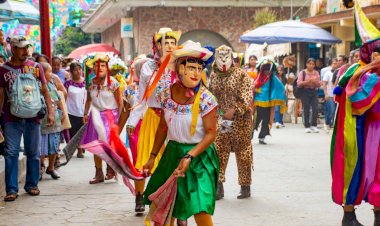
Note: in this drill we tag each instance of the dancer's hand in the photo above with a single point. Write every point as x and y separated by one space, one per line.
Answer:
182 167
148 165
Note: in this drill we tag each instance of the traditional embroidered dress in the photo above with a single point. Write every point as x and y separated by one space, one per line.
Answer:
197 190
149 111
102 98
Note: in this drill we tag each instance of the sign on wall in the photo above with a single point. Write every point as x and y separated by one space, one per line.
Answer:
127 27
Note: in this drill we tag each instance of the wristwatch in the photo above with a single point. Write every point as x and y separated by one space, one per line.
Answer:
188 156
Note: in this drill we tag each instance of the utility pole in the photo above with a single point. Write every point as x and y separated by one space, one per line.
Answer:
291 9
45 28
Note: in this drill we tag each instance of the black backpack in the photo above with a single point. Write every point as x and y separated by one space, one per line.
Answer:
298 91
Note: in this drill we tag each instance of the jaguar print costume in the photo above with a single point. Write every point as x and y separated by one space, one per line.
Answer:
233 89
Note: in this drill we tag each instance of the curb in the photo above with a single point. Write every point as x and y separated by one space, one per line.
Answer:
21 172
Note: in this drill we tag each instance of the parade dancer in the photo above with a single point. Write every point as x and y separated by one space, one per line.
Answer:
149 109
104 94
188 121
354 147
269 92
355 157
233 89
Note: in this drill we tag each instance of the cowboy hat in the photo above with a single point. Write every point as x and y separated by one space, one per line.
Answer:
191 49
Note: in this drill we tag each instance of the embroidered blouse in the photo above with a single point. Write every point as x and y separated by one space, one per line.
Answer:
76 97
147 71
178 117
104 98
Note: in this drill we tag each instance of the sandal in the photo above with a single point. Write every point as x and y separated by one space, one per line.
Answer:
10 197
110 173
42 171
33 191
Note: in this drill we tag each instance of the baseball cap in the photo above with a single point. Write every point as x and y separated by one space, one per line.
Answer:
18 41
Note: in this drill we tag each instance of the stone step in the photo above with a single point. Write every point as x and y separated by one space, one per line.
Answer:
21 172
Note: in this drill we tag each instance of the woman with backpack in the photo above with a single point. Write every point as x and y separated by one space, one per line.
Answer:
308 83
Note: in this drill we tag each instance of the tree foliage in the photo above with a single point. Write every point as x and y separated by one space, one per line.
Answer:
264 16
72 38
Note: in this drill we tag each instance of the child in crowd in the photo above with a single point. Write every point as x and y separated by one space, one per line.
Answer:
291 99
50 136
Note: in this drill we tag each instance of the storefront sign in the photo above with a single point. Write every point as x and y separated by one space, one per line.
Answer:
127 27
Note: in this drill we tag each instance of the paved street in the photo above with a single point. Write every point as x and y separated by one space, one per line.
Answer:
291 187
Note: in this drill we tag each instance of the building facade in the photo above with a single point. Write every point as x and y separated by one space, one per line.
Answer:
209 22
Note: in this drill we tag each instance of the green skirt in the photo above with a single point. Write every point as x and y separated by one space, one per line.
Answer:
196 192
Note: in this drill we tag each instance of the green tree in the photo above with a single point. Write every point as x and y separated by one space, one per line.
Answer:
264 16
72 38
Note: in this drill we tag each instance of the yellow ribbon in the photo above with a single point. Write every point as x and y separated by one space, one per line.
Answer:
195 111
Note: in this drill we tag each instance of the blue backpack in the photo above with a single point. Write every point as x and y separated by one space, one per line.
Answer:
25 96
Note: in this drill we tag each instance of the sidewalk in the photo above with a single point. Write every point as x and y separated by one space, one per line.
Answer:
291 186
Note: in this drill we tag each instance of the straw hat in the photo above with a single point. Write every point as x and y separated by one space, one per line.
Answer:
167 32
191 49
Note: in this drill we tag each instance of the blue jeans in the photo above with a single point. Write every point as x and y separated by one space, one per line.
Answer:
329 112
277 115
12 134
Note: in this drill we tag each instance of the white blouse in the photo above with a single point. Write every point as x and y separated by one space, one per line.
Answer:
148 70
104 98
178 117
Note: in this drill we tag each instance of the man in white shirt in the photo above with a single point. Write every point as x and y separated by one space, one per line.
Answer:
328 87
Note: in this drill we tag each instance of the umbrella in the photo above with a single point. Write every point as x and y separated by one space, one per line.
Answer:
19 10
289 31
92 48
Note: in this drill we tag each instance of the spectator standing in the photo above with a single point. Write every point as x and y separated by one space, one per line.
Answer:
75 100
309 81
328 87
4 51
15 127
58 70
278 116
50 135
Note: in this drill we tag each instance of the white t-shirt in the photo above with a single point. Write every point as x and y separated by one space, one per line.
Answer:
328 76
104 98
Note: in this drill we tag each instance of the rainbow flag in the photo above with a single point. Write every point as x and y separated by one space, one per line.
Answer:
364 29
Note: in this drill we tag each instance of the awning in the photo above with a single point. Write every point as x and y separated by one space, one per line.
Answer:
19 10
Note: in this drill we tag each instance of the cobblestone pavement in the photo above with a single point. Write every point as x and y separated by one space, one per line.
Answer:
291 186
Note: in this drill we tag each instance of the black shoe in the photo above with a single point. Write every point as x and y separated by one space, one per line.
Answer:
261 141
245 192
219 191
377 218
349 219
140 207
53 174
